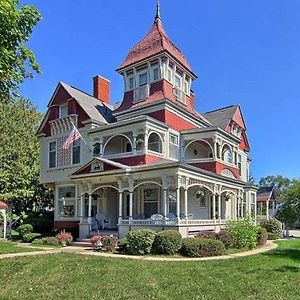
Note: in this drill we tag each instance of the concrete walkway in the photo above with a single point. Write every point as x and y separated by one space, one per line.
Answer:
89 251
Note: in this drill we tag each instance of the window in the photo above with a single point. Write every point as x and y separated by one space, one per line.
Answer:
66 201
186 87
240 163
131 83
96 149
52 154
173 146
227 155
169 74
127 146
155 74
172 202
63 111
154 143
76 152
150 202
143 79
177 81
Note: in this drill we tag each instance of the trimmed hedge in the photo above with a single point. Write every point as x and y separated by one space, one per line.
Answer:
167 242
226 238
199 247
262 236
24 229
49 241
30 237
140 241
272 226
207 235
122 244
272 236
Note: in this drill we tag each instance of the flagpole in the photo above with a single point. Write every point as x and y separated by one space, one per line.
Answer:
81 137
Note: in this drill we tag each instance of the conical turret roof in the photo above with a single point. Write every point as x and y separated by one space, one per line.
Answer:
155 42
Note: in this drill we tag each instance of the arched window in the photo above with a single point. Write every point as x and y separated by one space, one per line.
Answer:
227 154
154 143
117 145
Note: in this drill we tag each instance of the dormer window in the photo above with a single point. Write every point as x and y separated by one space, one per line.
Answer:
143 78
63 111
155 74
131 83
178 81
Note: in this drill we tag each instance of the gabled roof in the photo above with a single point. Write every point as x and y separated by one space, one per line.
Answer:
95 109
155 42
266 193
221 117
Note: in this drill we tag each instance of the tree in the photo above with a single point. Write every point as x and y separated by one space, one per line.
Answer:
290 210
17 61
19 156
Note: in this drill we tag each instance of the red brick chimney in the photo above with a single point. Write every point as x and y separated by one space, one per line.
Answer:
101 88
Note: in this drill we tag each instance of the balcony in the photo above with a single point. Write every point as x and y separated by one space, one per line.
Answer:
141 93
62 125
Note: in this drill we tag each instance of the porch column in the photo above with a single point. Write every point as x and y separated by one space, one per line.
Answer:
120 207
134 135
214 206
219 207
81 208
165 197
267 209
90 209
186 205
178 204
101 146
215 155
130 205
255 211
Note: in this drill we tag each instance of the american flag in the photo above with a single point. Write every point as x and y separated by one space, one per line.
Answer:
74 136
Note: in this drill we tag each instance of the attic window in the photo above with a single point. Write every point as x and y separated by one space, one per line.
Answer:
63 111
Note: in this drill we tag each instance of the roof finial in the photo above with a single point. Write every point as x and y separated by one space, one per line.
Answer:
157 16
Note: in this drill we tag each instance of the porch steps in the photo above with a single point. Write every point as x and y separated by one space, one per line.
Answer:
82 243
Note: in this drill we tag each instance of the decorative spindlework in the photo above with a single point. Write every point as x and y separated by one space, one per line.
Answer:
63 155
194 181
62 125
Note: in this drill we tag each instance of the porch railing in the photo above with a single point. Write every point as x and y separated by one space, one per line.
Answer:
172 222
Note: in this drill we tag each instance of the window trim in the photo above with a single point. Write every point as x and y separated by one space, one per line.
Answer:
55 151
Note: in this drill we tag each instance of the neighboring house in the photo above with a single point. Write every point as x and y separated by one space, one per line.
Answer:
151 161
266 202
3 217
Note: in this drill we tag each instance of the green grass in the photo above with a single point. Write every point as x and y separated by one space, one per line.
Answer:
273 275
10 247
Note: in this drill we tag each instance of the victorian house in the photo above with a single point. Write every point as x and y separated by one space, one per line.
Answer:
151 161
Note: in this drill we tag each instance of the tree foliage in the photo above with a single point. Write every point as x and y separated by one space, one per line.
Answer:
17 61
19 156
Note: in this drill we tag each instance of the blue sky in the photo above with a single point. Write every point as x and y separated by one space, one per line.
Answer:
244 52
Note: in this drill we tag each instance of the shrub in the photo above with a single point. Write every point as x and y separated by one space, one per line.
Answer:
167 242
140 242
272 236
96 240
24 229
49 241
65 238
243 232
226 238
262 236
272 226
207 235
109 243
30 237
122 244
193 247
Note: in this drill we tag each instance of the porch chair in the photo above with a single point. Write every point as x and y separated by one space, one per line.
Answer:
157 217
102 221
170 216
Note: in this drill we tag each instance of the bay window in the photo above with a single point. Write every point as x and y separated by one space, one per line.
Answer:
66 201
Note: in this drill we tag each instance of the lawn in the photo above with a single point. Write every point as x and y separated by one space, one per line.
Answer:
10 247
273 275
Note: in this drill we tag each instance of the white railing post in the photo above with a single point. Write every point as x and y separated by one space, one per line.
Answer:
178 204
120 206
186 205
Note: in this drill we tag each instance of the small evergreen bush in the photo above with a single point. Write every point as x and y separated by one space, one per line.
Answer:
243 232
205 234
226 238
30 237
167 242
272 236
122 244
195 247
48 241
24 229
262 236
109 243
272 226
140 241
